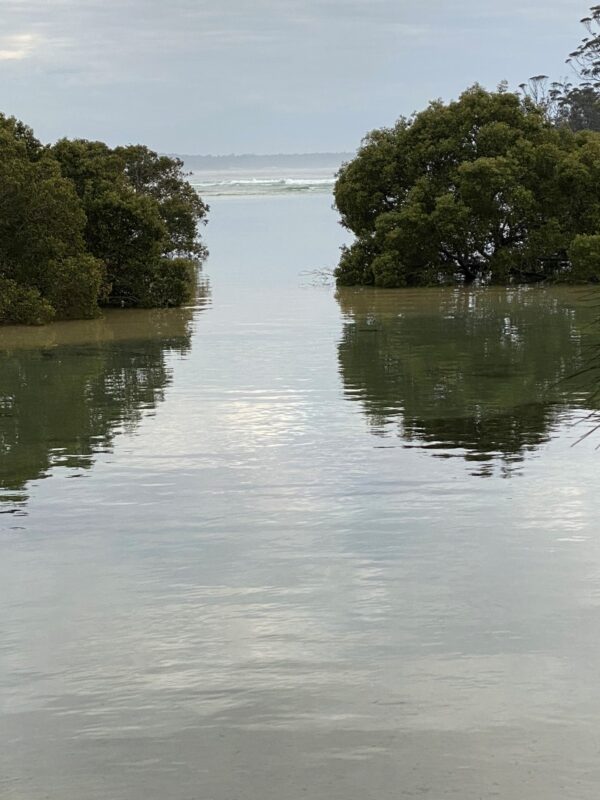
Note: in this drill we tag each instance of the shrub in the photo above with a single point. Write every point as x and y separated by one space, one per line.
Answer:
584 255
76 285
23 305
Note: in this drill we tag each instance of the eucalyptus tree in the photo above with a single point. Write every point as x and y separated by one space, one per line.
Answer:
573 102
586 57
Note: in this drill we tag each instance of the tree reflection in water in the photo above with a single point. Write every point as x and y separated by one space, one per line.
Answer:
481 373
68 389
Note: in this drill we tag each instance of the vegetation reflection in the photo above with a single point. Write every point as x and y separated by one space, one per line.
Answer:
64 400
486 373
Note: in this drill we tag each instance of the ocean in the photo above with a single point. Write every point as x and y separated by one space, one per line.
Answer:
312 173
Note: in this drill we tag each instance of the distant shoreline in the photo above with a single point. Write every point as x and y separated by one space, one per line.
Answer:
250 160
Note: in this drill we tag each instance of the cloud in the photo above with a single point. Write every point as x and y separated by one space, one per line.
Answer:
233 75
18 46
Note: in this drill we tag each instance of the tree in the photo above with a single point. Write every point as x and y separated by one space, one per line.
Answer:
483 188
142 220
180 207
580 105
44 267
586 58
565 104
83 225
580 108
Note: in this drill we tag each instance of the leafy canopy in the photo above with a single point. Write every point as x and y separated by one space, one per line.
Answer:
483 188
84 225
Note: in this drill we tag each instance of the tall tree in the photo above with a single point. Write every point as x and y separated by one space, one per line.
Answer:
575 105
586 58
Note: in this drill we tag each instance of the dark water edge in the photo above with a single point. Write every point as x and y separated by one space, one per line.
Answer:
292 542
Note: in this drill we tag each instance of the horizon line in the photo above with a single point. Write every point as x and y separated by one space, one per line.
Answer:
263 155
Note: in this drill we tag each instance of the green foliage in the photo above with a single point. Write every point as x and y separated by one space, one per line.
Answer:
585 258
41 234
125 231
22 304
563 104
75 286
580 109
355 264
173 283
481 189
83 225
179 205
142 218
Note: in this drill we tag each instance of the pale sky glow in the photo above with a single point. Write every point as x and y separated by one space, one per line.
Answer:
17 47
221 76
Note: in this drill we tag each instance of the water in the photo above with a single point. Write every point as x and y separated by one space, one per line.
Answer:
289 543
269 183
215 176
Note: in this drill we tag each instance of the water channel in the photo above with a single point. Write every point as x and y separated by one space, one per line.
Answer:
292 542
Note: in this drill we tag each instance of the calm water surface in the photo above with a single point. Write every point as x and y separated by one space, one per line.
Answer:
289 543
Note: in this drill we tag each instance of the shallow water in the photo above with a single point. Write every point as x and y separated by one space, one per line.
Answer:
292 543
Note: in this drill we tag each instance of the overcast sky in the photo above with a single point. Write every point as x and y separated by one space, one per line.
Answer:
222 76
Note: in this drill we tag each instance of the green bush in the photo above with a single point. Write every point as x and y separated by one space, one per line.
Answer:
76 285
23 305
584 255
388 271
174 280
355 264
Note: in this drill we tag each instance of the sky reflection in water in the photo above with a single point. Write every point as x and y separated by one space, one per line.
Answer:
265 586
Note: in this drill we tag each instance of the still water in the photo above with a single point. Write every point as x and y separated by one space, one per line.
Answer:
291 543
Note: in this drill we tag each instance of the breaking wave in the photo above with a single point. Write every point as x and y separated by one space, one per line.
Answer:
262 185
